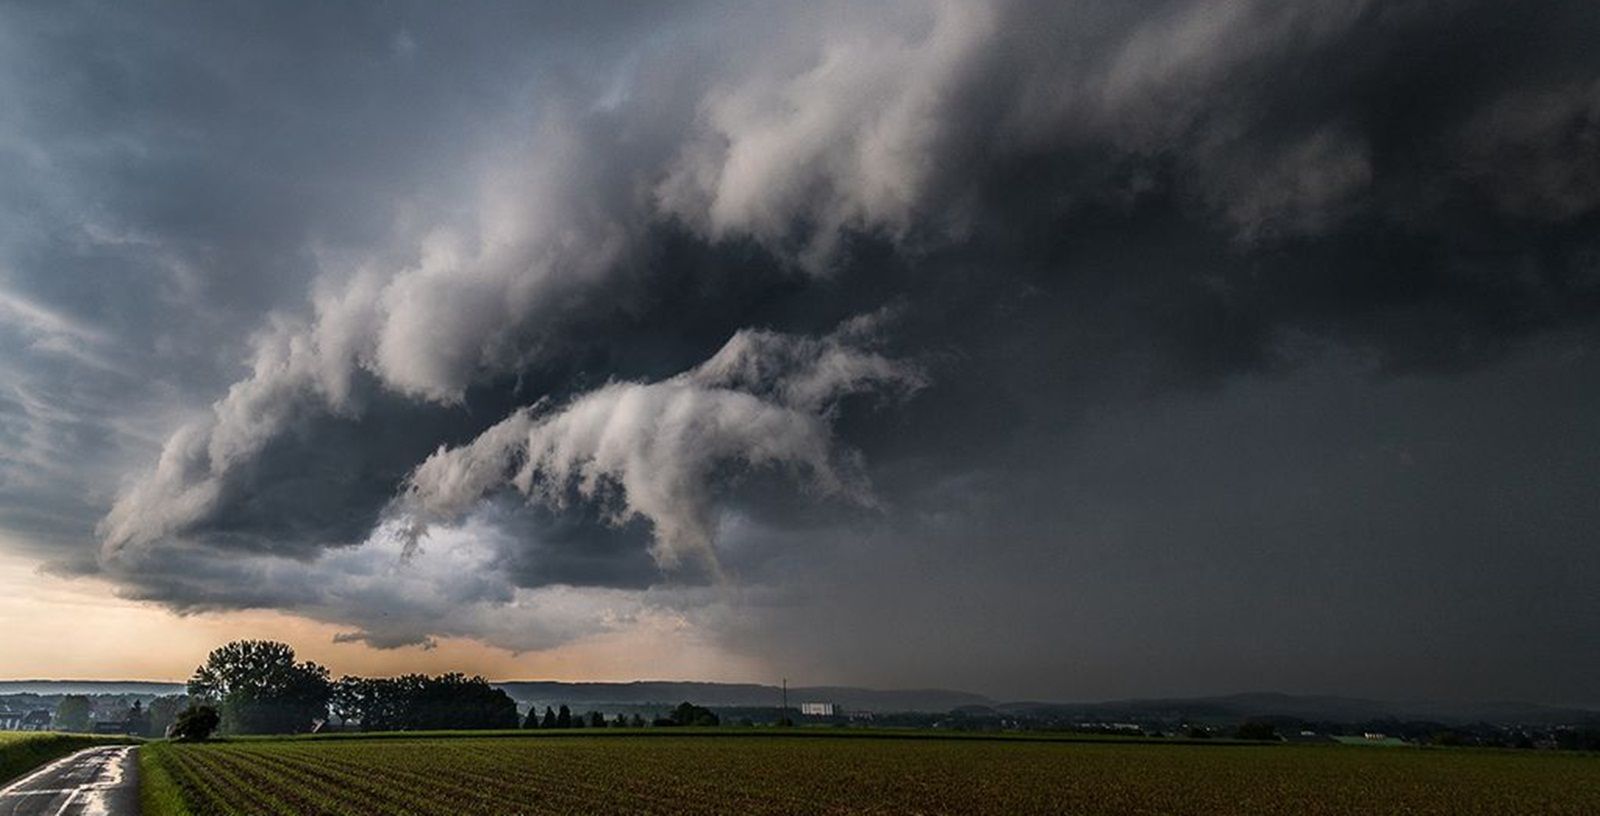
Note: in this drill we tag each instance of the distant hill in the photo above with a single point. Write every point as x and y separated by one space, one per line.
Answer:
736 695
54 687
1221 709
1315 708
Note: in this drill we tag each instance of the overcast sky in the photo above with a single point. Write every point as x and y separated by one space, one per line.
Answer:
1051 349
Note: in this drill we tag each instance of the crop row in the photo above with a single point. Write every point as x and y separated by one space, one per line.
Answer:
777 775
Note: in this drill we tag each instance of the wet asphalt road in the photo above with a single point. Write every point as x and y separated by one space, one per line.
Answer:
95 782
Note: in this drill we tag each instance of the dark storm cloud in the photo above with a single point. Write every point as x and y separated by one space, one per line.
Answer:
1014 290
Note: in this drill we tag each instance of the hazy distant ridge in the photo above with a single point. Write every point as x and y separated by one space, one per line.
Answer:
753 695
1312 708
739 695
52 687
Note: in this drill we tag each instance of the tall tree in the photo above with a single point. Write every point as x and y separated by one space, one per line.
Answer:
138 722
549 718
261 689
564 718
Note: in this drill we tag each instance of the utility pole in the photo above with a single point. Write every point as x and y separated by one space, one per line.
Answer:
783 714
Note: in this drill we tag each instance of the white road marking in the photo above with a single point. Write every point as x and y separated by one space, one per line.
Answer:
68 803
66 760
105 784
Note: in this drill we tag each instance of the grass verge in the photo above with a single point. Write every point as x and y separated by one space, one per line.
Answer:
159 794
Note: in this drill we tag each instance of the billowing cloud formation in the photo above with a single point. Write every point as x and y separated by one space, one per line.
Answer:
655 449
861 126
263 271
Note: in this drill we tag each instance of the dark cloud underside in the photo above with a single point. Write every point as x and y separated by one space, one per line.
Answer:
1032 347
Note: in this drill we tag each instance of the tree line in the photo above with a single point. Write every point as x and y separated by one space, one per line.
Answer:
685 714
75 712
259 687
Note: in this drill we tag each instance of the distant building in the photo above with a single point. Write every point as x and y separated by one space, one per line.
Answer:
37 720
10 721
1372 738
819 710
113 727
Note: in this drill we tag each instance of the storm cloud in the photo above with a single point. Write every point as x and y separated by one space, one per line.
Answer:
1012 330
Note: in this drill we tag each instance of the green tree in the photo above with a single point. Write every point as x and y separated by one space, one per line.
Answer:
72 713
636 721
195 724
419 702
1256 730
597 720
532 720
162 712
564 718
690 714
138 722
549 718
261 689
620 722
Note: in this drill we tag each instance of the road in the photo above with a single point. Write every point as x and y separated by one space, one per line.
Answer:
94 782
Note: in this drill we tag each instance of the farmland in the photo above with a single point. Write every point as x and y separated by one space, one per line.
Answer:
755 773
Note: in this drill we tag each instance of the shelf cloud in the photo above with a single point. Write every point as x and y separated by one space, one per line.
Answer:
1081 328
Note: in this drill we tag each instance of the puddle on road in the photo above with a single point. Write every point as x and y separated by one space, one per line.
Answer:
109 772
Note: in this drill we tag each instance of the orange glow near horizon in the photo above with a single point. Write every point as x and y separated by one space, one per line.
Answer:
78 629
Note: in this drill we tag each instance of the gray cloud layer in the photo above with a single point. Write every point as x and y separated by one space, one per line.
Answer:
1106 247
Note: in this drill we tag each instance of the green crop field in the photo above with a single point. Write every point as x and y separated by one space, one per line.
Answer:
781 774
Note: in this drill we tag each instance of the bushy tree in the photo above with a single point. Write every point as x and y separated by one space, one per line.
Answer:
195 724
457 701
620 722
597 720
260 688
532 720
549 718
1256 730
564 718
690 714
72 713
415 702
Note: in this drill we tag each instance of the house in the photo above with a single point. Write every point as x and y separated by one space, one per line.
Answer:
819 710
36 720
10 721
113 727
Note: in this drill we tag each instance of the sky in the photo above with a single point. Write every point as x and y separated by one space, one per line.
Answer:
1050 350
